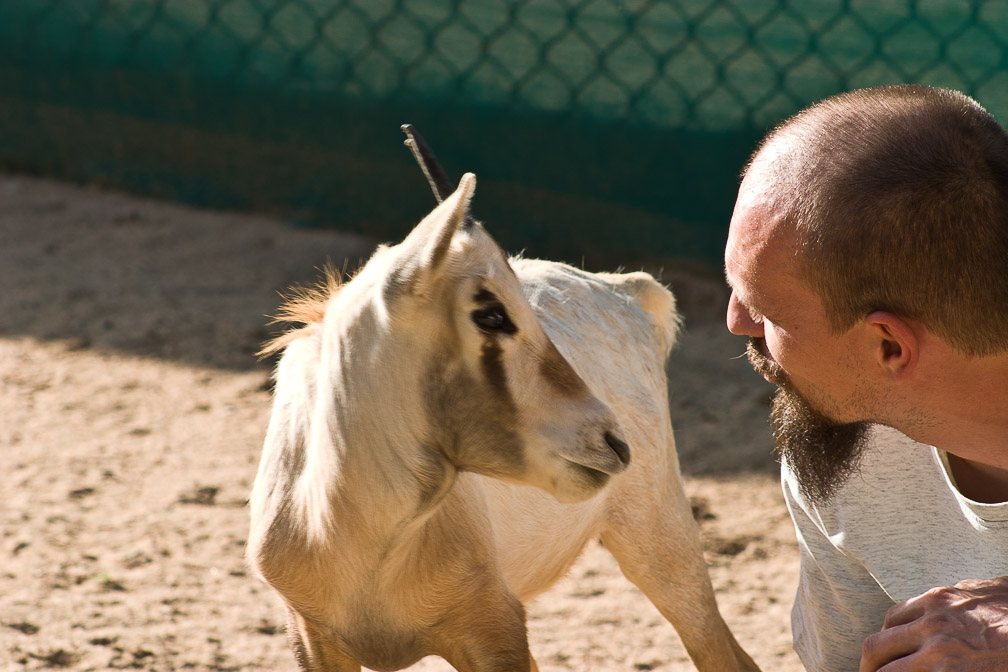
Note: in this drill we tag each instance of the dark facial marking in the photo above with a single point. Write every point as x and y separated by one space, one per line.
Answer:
560 374
493 370
484 295
475 431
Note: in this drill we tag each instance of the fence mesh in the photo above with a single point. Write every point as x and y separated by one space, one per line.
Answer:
598 126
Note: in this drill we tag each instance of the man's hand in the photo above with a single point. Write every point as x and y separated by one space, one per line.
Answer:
961 629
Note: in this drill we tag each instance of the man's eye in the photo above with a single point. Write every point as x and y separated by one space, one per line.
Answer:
493 318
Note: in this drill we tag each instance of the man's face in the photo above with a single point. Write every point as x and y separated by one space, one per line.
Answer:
822 453
819 413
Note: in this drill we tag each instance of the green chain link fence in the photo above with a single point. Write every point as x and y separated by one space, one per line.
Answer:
600 130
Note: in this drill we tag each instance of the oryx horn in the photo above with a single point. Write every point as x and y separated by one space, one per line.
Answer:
432 170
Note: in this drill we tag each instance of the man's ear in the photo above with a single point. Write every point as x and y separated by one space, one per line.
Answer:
895 344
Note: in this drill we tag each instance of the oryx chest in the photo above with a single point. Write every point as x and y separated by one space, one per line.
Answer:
379 644
378 616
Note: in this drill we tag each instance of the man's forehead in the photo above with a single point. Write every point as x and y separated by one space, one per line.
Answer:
756 229
760 246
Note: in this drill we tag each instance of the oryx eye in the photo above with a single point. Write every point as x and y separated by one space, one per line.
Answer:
493 318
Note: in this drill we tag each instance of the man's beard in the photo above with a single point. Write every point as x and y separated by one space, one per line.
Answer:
822 453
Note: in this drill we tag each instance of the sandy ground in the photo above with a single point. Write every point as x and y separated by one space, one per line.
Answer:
131 416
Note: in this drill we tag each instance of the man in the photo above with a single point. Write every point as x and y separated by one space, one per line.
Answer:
868 260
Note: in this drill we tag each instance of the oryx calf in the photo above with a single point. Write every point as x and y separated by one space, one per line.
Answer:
449 429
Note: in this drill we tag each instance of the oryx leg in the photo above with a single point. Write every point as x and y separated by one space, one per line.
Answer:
657 545
313 651
491 638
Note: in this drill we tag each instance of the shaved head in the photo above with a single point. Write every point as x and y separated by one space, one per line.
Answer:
897 200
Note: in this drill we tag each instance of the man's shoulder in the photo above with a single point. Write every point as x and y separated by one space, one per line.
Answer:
898 487
901 519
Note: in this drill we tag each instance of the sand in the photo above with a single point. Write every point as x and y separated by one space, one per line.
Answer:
133 411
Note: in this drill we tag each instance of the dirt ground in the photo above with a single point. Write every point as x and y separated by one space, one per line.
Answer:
132 412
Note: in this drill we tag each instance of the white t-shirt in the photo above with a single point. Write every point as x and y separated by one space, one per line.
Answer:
897 529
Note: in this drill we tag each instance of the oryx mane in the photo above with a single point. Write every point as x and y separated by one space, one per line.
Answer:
303 305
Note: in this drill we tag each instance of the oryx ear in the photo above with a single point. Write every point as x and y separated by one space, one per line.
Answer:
446 219
426 247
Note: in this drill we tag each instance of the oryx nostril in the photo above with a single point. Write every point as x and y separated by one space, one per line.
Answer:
619 447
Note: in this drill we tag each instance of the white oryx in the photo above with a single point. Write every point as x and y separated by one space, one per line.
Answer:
449 429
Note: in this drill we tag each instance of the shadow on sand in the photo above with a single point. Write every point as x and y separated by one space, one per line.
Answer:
107 271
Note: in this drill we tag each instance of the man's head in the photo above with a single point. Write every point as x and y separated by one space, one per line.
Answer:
860 222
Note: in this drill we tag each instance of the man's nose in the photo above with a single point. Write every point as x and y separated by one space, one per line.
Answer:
740 322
